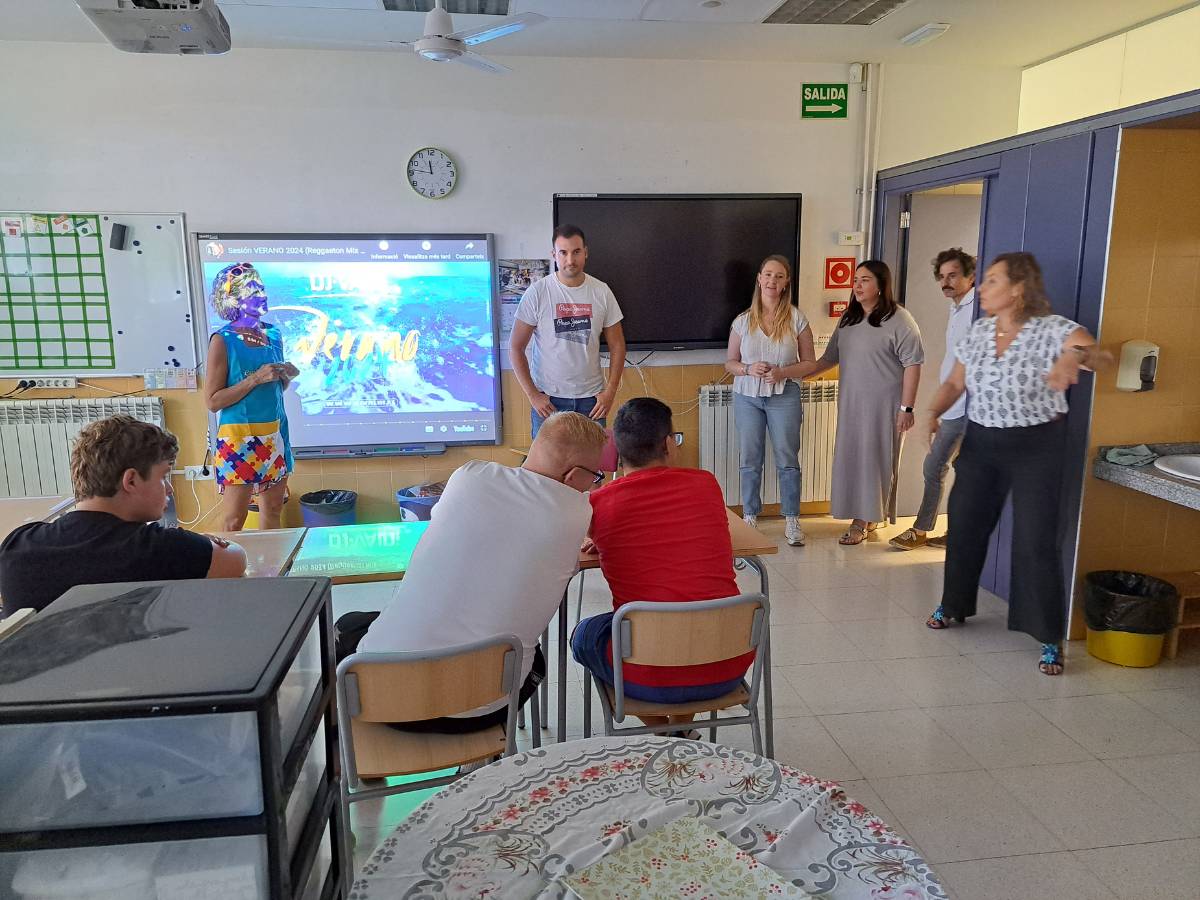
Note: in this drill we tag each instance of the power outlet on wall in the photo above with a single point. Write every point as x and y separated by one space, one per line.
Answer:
56 382
198 473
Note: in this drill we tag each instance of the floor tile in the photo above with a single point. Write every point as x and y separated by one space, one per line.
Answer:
1182 673
846 687
1169 870
1000 735
862 791
793 645
806 576
1111 725
1057 875
793 608
1173 782
943 681
963 815
1086 805
897 742
856 605
803 743
989 633
1018 671
1180 708
897 639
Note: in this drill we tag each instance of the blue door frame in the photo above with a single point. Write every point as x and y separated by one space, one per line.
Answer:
1049 193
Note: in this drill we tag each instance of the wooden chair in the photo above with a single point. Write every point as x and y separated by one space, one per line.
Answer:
687 633
375 689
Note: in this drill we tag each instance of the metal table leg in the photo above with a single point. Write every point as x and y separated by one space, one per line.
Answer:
544 689
768 694
562 668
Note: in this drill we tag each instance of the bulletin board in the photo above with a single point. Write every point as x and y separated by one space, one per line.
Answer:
76 302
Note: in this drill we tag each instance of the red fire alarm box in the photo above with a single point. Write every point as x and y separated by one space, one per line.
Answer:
837 307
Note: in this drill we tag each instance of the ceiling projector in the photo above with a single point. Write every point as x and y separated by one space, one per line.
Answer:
160 26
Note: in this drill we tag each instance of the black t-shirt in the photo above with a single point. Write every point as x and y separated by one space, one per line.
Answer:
41 561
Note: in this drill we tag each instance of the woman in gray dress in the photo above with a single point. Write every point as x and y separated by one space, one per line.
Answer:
877 345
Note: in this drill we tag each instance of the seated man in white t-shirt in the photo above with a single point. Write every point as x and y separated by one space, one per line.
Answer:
564 315
501 546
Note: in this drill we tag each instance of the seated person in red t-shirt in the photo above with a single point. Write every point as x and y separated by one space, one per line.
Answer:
121 474
662 535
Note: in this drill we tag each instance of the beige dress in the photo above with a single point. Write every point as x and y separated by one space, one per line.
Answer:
872 363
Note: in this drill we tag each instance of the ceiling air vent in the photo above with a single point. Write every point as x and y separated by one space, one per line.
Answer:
454 7
833 12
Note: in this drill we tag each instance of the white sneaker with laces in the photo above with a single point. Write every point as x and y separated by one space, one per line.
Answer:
752 521
793 533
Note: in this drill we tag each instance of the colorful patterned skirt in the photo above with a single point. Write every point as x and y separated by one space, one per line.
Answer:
255 453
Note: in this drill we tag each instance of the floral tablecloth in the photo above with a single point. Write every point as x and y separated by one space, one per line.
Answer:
518 826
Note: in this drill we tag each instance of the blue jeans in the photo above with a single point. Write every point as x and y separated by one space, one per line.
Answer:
782 415
589 646
941 454
581 405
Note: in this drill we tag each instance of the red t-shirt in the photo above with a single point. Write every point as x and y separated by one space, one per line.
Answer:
663 535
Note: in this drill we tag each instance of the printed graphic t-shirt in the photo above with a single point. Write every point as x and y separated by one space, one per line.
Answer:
568 322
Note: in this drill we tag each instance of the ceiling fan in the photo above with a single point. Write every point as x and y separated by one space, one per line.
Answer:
441 43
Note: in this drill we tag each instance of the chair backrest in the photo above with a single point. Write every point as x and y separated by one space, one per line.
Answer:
410 686
690 633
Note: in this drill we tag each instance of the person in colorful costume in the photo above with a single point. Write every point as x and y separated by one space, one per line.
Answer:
244 384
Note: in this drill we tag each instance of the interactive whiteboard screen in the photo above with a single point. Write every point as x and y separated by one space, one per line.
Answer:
394 335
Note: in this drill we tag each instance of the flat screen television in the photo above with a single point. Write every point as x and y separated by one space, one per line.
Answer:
682 266
395 335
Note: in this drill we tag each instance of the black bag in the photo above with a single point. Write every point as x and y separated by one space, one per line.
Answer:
1129 601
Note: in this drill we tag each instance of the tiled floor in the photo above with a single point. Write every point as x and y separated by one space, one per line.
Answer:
1012 784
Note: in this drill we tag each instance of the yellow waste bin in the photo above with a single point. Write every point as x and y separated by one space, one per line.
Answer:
1128 615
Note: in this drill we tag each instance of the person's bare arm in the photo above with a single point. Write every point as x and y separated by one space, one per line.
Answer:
1079 352
614 336
908 397
218 394
805 366
947 395
228 559
522 332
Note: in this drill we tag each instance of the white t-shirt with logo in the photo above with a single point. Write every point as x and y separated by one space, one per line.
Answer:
502 544
568 321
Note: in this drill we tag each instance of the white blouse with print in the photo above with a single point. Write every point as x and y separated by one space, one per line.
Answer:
757 347
1011 392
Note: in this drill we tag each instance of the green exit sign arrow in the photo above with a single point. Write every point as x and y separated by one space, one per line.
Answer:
823 101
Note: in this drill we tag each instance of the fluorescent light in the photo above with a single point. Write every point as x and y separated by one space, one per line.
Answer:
924 34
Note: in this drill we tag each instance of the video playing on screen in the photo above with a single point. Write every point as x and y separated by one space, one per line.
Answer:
394 335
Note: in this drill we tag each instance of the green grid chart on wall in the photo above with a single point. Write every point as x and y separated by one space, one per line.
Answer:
54 300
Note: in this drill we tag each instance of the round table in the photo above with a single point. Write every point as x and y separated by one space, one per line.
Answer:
514 828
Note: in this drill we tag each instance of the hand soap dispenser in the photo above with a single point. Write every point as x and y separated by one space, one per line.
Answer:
1139 366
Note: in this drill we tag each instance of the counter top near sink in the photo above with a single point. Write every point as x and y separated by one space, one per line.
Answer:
1150 480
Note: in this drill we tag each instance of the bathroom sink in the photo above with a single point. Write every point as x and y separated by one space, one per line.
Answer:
1182 466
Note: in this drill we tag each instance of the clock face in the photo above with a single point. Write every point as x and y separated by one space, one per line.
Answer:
432 173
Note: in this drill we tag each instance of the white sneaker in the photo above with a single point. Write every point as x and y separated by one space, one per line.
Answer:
752 521
793 533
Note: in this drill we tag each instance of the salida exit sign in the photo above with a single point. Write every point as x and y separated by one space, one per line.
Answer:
823 101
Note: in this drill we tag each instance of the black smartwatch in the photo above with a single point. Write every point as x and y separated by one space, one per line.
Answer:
906 409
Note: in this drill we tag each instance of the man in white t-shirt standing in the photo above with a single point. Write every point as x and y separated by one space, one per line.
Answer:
564 314
502 544
954 271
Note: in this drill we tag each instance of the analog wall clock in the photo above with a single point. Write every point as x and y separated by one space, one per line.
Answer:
432 173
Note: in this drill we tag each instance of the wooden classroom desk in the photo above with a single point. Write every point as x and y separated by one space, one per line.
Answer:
269 554
18 511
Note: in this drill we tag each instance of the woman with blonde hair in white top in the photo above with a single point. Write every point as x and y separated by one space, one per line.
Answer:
766 344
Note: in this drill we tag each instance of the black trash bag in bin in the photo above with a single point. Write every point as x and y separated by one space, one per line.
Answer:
1129 601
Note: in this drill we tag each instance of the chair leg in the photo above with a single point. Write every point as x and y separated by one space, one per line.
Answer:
712 729
545 687
579 601
587 703
521 717
536 721
348 867
756 732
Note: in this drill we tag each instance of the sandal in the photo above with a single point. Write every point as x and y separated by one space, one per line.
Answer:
1052 659
938 621
853 536
872 527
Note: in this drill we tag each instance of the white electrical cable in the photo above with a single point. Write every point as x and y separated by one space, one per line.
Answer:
198 518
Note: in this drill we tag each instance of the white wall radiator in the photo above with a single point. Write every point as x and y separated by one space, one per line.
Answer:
36 438
719 442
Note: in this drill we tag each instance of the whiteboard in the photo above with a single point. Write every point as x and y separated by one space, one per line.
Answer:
72 304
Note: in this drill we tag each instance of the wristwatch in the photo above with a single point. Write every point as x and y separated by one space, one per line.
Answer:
906 409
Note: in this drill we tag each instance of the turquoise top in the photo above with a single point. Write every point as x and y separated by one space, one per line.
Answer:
263 406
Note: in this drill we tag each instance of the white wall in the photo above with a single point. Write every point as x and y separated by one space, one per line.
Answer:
262 140
928 110
1149 62
938 223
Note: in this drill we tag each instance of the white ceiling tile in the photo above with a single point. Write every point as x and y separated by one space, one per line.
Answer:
749 11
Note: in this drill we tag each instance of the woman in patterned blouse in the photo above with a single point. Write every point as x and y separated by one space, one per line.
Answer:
1016 364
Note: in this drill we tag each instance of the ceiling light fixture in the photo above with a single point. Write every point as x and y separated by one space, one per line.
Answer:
925 34
710 4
